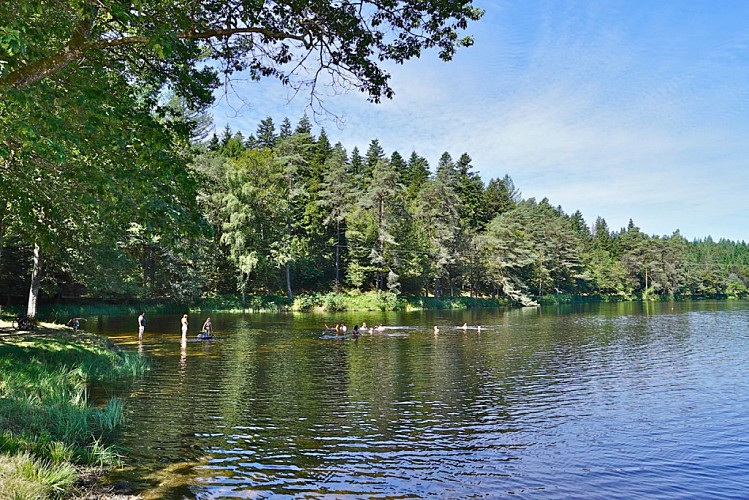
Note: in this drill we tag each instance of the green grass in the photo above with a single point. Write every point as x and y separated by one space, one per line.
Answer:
23 476
49 425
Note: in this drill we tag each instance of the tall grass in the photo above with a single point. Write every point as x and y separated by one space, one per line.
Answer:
48 422
24 476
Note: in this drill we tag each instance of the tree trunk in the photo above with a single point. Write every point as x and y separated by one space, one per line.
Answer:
3 207
337 254
289 293
244 295
36 280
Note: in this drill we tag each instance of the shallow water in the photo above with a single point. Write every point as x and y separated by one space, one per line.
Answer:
597 401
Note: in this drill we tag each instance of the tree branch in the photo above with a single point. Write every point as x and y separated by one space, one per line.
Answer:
77 46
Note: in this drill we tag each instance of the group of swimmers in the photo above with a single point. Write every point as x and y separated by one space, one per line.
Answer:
341 328
205 332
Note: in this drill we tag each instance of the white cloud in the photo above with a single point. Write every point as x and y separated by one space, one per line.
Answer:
619 113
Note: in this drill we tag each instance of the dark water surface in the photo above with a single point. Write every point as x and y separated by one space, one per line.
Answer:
598 401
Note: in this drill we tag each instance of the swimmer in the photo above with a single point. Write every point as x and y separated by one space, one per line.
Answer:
436 330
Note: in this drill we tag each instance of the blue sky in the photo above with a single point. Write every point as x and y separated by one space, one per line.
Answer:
622 110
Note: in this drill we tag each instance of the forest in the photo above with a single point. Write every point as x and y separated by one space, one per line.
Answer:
284 211
115 187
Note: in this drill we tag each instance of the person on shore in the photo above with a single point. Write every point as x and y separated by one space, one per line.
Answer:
343 328
184 326
75 323
141 324
207 329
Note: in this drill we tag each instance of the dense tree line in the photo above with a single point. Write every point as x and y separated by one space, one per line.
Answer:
283 211
291 212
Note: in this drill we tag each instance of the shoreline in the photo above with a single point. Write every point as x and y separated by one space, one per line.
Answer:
35 358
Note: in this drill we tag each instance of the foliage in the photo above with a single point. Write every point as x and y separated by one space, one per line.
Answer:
47 421
278 219
93 149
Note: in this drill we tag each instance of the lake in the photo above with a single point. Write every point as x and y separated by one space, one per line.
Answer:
592 401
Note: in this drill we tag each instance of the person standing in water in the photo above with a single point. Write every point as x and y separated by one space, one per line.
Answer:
141 324
184 326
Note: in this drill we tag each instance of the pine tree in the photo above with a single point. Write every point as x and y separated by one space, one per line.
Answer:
266 134
374 154
291 156
470 188
400 166
416 174
500 197
213 144
304 126
381 216
446 169
356 168
438 221
251 142
336 199
285 130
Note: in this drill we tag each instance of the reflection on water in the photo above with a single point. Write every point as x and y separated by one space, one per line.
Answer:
624 400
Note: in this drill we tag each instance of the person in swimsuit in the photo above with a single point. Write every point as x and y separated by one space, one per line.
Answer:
207 330
184 326
141 324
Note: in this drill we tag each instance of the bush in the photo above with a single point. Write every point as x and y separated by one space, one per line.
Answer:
307 302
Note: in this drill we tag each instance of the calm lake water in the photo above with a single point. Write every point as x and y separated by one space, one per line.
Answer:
596 401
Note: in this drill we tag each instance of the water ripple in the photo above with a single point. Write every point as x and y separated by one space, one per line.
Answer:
558 404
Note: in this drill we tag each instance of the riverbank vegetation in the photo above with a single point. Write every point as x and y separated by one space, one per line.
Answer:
51 433
114 189
283 220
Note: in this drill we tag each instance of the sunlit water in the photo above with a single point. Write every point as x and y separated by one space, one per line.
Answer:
626 401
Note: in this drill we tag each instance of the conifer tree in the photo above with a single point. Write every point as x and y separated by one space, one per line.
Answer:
265 136
416 174
374 154
336 198
500 197
304 126
285 129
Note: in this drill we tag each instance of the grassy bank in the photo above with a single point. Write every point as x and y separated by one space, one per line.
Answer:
51 434
319 302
